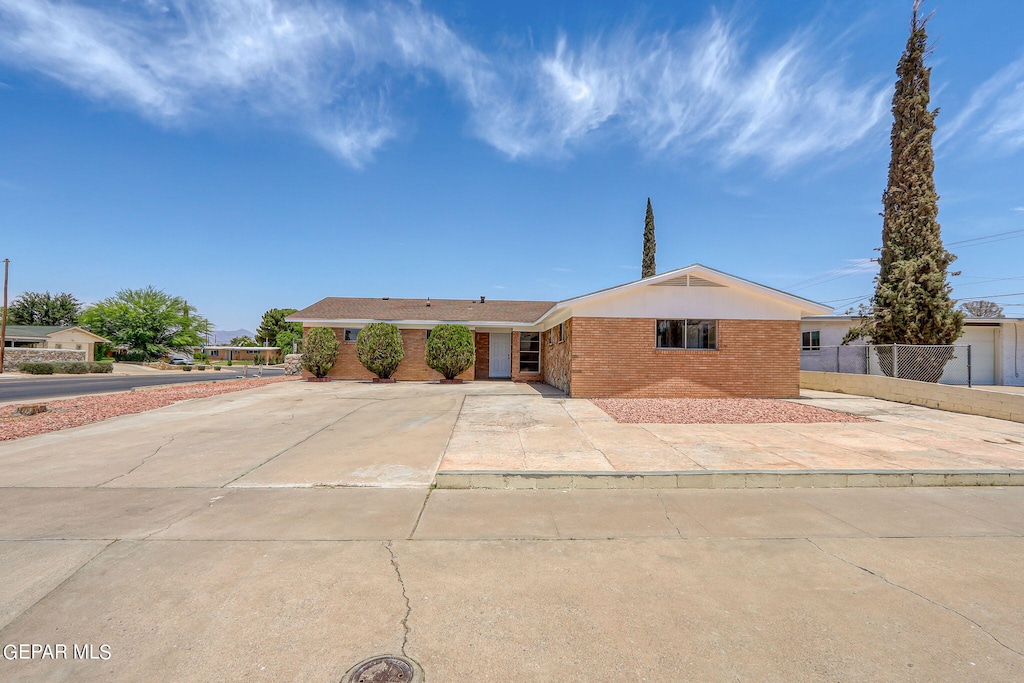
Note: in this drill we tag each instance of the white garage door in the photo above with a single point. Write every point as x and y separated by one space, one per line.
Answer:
983 353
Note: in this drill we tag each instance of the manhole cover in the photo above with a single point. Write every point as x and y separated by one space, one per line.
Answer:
384 669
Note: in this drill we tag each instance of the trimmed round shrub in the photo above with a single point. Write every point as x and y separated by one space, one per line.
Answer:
319 351
379 348
31 368
101 367
450 350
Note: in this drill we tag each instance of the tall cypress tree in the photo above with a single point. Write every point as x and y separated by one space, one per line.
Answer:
911 303
648 267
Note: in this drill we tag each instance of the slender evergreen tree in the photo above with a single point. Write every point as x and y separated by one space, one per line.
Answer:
648 268
911 303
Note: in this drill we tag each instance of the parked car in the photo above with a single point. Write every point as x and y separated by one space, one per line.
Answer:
180 360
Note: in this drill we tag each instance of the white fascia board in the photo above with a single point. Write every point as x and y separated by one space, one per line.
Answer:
714 275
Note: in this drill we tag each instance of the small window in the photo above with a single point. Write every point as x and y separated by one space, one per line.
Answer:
58 346
529 352
810 341
561 333
351 333
687 334
78 347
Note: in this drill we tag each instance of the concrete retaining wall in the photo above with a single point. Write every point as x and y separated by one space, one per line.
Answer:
14 356
995 404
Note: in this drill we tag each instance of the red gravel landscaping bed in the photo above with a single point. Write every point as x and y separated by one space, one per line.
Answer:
74 412
716 411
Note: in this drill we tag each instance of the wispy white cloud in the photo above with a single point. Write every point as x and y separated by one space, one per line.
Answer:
994 114
672 92
328 70
322 69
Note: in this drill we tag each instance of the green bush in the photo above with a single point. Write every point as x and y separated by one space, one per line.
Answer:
132 356
101 368
186 368
379 348
216 367
450 350
70 367
32 368
320 351
200 367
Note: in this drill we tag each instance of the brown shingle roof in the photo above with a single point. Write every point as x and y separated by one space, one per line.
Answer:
440 310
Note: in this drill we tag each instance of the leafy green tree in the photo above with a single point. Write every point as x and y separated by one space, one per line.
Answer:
450 350
911 303
35 308
147 321
379 348
320 351
242 341
273 324
648 268
288 340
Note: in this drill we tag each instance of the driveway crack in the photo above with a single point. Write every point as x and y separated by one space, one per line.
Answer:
919 595
405 596
664 506
141 462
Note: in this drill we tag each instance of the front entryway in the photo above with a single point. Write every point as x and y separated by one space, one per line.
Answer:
500 355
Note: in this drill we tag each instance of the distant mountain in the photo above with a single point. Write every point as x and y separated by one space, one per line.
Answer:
224 336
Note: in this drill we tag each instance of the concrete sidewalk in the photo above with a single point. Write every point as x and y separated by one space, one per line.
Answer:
509 586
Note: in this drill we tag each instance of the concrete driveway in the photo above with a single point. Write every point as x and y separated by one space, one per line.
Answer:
195 543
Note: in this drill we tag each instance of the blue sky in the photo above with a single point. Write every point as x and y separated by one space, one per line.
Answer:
249 155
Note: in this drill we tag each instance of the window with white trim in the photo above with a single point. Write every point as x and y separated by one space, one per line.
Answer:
561 333
810 340
529 352
351 333
687 334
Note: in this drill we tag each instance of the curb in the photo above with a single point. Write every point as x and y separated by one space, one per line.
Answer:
746 479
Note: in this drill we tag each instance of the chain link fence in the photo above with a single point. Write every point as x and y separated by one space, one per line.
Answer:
942 364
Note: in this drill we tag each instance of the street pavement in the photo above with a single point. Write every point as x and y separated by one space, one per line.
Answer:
20 388
289 532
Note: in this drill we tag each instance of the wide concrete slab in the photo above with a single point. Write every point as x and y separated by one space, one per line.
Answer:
31 569
691 609
572 514
199 611
302 514
92 513
528 433
552 599
393 442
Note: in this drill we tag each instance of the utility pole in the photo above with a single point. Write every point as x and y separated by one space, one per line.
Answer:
3 322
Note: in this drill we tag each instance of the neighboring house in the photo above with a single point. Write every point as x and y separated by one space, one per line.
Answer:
997 345
241 353
690 332
54 337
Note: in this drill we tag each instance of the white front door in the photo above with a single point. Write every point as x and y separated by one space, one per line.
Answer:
500 355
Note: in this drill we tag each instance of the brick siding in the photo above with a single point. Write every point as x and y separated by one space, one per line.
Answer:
616 357
483 355
412 368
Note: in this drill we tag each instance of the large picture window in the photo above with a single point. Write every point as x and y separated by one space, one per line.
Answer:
529 352
687 334
351 333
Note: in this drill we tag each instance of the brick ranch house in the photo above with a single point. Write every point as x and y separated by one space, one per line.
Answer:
690 332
